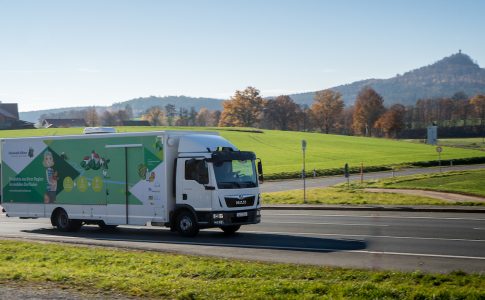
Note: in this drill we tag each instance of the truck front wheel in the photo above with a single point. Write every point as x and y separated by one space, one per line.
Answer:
187 224
231 229
63 223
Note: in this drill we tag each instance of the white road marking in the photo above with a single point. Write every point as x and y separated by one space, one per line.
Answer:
377 216
361 235
478 228
291 248
339 224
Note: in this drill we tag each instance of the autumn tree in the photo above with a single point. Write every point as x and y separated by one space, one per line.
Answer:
281 113
91 116
369 106
203 117
478 103
243 109
154 115
327 109
215 117
392 121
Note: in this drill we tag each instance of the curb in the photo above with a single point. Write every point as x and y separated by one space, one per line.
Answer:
452 209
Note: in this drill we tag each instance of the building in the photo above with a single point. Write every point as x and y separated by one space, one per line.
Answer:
135 123
63 123
9 117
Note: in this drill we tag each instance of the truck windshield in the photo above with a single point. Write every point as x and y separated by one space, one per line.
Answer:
235 174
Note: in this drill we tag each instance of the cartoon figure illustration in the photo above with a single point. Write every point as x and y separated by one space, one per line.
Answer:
51 176
152 177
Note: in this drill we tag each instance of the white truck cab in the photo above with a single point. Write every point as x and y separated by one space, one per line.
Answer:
217 182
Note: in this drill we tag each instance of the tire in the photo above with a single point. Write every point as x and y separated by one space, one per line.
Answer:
64 224
102 225
187 224
231 229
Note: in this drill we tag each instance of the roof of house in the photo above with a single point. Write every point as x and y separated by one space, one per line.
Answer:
136 123
64 123
9 110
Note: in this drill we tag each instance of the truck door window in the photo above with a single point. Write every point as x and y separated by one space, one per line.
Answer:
197 170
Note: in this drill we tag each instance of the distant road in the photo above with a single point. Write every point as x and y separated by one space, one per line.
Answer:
437 242
296 184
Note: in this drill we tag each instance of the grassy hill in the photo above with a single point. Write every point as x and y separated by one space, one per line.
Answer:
281 152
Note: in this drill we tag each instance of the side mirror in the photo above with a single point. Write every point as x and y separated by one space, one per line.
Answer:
260 170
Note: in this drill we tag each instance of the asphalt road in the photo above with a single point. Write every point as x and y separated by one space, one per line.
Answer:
437 242
296 184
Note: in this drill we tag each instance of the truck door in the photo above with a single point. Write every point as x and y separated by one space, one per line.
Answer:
122 206
193 177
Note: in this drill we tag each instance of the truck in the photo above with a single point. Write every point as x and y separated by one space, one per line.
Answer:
183 180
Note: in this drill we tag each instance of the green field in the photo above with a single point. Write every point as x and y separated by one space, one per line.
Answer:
281 150
465 182
107 272
354 195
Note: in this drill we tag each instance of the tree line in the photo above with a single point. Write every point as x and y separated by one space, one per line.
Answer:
368 116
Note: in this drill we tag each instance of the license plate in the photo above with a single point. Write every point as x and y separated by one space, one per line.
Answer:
242 214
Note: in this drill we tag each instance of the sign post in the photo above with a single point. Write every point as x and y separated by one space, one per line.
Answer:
303 148
439 150
346 173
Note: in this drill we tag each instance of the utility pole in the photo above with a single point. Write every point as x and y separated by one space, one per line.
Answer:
303 148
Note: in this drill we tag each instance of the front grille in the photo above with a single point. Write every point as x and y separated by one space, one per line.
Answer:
239 201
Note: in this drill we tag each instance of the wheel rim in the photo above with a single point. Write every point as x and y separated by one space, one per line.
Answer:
185 223
63 220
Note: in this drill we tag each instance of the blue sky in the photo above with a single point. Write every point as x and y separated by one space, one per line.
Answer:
76 53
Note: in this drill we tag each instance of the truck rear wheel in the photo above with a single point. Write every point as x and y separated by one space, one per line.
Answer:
187 224
231 229
64 224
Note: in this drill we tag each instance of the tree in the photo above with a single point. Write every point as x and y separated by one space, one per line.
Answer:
369 106
183 117
107 119
327 109
281 113
154 115
215 118
170 113
129 111
243 109
392 121
203 117
121 115
91 116
478 103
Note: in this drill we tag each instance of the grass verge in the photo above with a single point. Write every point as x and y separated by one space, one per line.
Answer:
149 274
462 182
353 195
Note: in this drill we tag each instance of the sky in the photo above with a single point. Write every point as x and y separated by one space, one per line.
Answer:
78 53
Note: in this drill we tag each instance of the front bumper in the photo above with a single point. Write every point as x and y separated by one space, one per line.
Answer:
226 218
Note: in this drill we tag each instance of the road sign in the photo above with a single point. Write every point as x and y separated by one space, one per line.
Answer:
439 149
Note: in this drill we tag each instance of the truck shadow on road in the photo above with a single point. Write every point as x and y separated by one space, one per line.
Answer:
147 237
